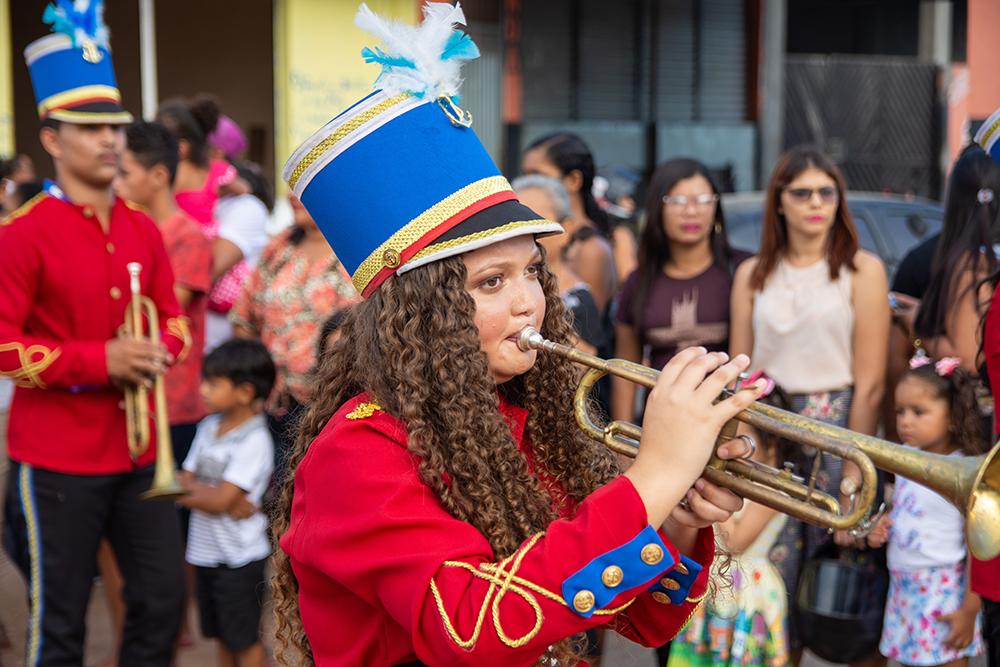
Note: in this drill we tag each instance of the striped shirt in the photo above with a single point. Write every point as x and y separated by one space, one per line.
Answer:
245 457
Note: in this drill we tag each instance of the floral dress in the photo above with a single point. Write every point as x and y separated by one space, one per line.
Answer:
745 624
285 301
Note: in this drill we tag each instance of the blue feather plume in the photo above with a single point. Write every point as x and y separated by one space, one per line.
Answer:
82 20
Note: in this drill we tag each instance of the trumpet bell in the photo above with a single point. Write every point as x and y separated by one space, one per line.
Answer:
983 508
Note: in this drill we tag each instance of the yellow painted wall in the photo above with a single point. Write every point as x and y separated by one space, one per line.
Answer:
318 70
6 89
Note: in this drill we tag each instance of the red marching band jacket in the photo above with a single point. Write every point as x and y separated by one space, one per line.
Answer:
387 576
63 291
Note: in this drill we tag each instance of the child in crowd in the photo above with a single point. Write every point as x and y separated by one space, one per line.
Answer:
746 623
931 616
230 464
146 178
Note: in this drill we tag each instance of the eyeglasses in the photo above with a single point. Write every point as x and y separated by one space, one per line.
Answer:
682 201
827 194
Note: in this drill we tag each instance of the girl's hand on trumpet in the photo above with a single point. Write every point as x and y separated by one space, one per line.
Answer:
681 424
705 503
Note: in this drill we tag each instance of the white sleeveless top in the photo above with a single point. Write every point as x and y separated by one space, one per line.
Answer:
803 325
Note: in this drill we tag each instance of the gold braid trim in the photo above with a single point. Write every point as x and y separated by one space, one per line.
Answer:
415 229
23 210
180 328
699 598
338 135
687 620
505 581
29 374
363 411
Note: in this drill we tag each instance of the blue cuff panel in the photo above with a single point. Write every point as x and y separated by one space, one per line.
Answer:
634 563
681 586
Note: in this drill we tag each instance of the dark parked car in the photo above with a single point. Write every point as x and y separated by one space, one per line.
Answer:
888 225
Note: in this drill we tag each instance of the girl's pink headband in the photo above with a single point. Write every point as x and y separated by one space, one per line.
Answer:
943 367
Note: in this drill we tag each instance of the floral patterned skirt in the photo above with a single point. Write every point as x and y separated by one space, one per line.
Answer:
912 633
742 626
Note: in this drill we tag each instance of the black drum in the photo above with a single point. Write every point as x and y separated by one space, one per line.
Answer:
840 604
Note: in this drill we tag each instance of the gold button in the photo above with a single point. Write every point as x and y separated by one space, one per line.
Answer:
651 554
680 568
670 584
662 598
583 601
115 293
88 212
110 247
612 576
390 258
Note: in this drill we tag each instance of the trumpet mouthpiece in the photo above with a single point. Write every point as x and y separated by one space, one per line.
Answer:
529 339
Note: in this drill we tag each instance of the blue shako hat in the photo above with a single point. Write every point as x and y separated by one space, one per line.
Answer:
988 135
399 179
71 69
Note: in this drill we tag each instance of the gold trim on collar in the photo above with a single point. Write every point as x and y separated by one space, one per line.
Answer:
342 131
412 231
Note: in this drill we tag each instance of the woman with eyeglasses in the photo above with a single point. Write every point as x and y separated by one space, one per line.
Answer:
679 294
811 306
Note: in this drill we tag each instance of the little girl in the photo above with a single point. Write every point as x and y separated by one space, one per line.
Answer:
745 624
931 618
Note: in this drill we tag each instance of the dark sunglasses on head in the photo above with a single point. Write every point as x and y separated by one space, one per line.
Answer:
826 194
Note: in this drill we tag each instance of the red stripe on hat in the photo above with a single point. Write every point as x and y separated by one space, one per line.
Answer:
81 102
434 233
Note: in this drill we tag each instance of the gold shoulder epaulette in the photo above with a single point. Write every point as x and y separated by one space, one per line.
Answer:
23 209
364 410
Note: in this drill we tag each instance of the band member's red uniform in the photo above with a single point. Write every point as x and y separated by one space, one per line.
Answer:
403 575
63 292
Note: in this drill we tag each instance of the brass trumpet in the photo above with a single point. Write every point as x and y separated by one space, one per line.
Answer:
137 416
971 483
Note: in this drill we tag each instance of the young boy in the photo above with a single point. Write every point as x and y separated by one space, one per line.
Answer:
230 465
146 177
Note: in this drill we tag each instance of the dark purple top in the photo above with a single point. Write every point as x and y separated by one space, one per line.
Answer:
680 313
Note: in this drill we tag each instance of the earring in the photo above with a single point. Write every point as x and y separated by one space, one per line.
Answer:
718 227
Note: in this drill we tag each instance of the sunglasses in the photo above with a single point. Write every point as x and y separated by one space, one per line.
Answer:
827 194
682 201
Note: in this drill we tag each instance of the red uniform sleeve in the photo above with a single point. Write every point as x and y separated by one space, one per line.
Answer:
650 619
363 517
991 349
175 326
33 361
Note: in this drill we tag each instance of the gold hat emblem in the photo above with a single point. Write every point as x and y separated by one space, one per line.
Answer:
90 51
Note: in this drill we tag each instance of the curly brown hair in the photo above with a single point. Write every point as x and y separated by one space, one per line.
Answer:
417 330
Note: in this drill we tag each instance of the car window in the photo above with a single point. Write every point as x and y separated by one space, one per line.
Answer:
744 230
863 222
903 228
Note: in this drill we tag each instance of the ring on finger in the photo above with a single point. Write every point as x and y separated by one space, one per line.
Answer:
685 504
751 443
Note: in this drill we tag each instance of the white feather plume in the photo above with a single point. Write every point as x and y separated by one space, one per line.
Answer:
424 60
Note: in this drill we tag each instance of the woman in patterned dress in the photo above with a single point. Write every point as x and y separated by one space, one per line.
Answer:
295 287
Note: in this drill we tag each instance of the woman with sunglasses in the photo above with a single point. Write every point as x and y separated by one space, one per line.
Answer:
812 308
679 294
